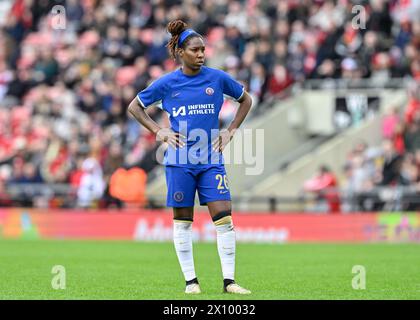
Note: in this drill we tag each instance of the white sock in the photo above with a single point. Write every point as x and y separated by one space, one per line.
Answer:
183 247
226 245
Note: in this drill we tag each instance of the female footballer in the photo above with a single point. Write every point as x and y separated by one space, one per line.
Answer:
193 96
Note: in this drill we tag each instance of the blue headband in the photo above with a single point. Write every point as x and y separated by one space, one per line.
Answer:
184 35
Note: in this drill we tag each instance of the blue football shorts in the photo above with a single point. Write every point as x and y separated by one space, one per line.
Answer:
210 182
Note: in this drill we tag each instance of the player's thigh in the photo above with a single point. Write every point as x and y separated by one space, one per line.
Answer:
182 185
183 213
212 185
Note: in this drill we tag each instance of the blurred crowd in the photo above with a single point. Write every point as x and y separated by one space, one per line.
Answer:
384 177
64 92
394 166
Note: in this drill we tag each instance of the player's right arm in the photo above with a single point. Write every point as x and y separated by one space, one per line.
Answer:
139 113
162 134
153 95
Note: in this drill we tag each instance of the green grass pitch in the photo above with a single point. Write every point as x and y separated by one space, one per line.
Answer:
134 270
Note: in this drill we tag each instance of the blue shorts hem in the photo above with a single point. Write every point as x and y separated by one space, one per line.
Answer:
179 205
204 202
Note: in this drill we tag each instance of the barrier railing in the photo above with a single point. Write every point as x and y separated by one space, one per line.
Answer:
385 198
383 83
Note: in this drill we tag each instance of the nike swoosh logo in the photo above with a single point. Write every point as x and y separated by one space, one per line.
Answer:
175 94
222 192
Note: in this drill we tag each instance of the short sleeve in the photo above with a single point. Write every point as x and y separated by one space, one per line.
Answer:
152 95
231 87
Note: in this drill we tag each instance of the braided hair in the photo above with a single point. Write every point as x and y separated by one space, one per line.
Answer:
175 28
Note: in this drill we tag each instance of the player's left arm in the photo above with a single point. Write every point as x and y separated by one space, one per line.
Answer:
245 103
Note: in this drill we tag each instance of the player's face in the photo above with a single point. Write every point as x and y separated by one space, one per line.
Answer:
193 54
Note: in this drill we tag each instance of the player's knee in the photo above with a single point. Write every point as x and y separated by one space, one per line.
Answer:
183 222
223 221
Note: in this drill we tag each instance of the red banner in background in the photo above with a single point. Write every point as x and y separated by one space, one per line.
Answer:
148 225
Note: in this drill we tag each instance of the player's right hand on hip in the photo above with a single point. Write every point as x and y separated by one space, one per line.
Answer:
174 139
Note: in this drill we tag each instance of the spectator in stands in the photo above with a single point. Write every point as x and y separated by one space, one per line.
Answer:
326 70
76 173
417 162
393 129
351 69
5 199
379 18
257 81
30 174
409 171
55 166
113 161
389 122
392 162
46 67
371 45
91 186
324 184
398 138
278 83
413 106
412 136
381 68
350 42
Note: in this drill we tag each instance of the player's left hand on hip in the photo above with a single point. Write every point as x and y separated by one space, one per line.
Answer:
224 138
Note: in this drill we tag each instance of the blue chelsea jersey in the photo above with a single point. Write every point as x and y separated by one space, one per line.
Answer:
193 104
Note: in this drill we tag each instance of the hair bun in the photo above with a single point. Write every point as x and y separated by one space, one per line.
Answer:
176 27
